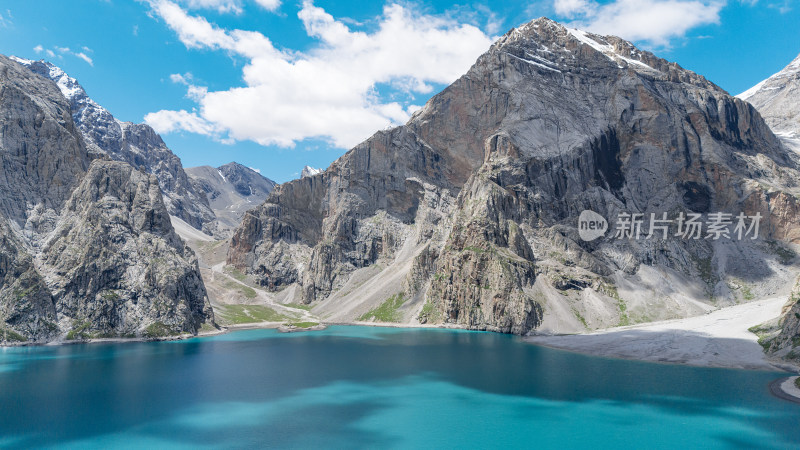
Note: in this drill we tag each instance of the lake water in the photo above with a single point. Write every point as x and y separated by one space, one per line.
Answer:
362 387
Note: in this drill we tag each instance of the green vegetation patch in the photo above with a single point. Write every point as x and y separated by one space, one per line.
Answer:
797 382
747 294
387 311
237 314
79 330
158 329
245 291
299 306
235 273
785 256
765 334
429 313
9 335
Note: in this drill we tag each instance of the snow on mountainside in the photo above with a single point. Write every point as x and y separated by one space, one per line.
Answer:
136 144
309 171
778 100
232 190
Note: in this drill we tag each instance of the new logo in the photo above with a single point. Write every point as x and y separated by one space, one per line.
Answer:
591 225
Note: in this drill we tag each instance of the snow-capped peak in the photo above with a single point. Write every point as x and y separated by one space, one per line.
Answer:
775 81
309 171
69 86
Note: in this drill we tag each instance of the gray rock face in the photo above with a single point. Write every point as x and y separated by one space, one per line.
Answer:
777 99
86 244
137 144
475 200
115 262
232 190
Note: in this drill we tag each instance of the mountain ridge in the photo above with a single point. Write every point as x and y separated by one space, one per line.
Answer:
231 189
136 144
470 209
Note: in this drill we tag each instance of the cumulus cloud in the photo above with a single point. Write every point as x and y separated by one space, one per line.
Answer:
170 121
38 49
269 5
328 91
653 21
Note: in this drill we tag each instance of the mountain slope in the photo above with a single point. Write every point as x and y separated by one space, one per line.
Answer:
777 99
86 245
137 144
468 212
231 190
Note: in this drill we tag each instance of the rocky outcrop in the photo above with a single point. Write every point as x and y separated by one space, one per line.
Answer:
232 190
86 245
115 262
137 144
784 341
27 308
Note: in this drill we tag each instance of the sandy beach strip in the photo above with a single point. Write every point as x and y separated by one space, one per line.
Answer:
717 339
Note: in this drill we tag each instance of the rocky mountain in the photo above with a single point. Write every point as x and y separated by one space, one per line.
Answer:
468 214
86 244
231 190
309 171
777 99
137 144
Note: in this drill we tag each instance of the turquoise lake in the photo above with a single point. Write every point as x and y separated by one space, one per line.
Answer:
363 387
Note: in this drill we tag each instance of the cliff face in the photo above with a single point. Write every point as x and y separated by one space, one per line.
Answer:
778 100
86 245
136 144
470 209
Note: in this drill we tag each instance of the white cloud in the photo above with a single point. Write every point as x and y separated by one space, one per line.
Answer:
66 51
170 121
653 21
228 6
84 57
255 170
222 6
269 5
5 22
328 91
572 8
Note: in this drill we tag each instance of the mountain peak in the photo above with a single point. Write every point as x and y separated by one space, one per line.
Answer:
776 98
69 86
309 171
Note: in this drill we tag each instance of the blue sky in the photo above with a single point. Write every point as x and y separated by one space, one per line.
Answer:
279 84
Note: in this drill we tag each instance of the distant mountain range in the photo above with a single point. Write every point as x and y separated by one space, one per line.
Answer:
231 190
